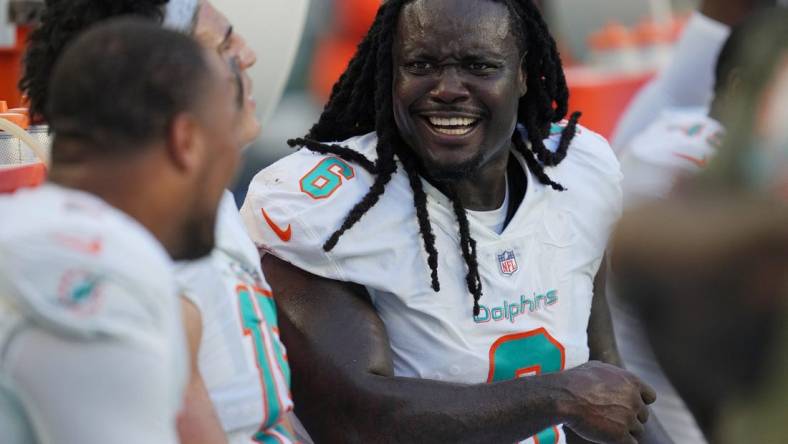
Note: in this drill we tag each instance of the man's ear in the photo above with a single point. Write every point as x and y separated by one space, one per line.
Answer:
184 142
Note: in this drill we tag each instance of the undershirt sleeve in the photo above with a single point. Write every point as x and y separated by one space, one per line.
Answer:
687 81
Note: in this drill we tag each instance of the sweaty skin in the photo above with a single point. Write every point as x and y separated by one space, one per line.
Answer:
340 353
459 67
467 64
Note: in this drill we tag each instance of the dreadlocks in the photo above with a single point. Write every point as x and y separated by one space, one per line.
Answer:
361 102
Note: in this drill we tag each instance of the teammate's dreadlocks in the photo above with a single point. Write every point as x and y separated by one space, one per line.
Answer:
361 102
60 23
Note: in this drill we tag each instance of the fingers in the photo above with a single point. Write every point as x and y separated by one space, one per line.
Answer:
643 415
636 429
648 393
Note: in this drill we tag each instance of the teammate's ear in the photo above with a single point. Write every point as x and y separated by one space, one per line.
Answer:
184 143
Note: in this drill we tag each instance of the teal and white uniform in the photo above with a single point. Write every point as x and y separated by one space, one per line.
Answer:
680 143
241 359
91 338
537 274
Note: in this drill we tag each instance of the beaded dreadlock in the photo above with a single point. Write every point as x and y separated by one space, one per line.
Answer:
361 102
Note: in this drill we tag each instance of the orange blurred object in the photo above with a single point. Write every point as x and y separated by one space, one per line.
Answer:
612 36
25 176
18 119
11 68
352 20
649 32
602 97
354 17
329 62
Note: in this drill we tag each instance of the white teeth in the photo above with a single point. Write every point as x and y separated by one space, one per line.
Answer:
451 121
454 131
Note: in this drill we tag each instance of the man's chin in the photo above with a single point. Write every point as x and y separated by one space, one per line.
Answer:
452 171
250 131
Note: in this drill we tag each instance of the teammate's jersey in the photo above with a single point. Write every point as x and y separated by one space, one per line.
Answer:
90 329
537 275
241 359
679 143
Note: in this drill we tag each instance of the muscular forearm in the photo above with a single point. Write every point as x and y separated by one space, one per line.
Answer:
392 409
345 388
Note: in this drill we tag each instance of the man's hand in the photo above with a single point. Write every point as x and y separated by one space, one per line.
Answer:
608 404
729 12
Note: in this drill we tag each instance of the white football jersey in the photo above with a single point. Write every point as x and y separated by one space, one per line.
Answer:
241 359
90 328
680 142
537 275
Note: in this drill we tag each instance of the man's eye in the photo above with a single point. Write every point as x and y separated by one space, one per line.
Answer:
420 66
480 67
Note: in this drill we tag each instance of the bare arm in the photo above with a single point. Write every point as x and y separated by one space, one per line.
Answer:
198 422
345 389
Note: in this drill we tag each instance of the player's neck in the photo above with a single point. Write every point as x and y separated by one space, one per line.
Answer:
484 190
127 185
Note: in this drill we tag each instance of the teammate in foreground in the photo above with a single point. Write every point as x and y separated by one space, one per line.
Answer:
667 133
688 80
729 363
90 327
440 233
682 141
239 388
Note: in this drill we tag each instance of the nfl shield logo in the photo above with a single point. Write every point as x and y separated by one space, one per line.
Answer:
507 262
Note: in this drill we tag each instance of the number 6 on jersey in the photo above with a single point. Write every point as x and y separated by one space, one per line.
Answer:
326 177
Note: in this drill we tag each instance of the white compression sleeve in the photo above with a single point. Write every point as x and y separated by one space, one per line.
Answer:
687 81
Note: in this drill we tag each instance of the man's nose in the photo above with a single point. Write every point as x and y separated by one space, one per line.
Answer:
246 55
449 86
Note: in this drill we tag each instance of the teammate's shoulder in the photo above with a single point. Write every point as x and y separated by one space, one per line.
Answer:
79 265
588 149
683 137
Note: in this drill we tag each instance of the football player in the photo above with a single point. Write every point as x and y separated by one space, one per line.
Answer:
239 389
439 238
681 141
667 133
688 80
90 327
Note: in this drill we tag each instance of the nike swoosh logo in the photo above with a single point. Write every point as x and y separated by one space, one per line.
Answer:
285 234
86 246
701 163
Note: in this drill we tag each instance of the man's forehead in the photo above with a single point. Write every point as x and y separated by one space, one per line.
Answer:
211 24
435 19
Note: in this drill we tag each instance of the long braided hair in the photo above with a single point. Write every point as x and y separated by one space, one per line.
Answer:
361 102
